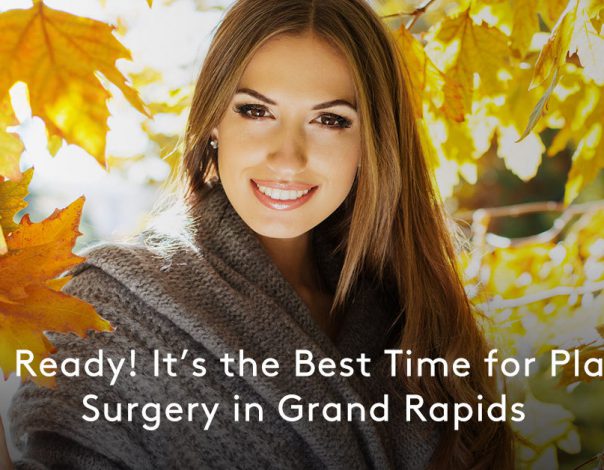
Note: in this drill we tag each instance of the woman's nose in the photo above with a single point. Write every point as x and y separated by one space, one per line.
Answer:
288 156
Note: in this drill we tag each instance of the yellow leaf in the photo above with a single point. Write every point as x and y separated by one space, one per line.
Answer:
551 10
12 200
540 108
554 52
575 102
587 42
588 160
58 56
526 24
471 49
428 81
10 144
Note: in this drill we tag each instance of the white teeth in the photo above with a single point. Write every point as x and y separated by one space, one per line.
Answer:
281 194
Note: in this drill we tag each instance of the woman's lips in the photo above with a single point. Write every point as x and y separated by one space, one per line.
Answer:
282 204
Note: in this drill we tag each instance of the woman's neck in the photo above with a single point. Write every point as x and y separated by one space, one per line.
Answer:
294 259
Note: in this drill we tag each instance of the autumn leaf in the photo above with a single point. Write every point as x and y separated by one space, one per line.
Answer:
10 144
553 54
587 159
12 200
550 10
471 49
40 251
525 24
587 42
575 32
58 56
22 325
428 81
30 300
540 108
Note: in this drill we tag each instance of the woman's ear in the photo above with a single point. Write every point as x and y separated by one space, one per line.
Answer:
214 133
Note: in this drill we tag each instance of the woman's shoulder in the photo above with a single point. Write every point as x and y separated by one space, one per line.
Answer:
113 272
147 256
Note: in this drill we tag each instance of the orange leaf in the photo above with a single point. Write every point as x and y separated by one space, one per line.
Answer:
12 200
30 299
22 325
40 251
58 56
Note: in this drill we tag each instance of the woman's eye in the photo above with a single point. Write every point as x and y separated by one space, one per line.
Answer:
333 120
252 111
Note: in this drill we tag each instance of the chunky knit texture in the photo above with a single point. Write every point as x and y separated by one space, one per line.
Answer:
215 291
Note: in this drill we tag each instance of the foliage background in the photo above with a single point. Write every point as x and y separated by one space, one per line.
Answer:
481 68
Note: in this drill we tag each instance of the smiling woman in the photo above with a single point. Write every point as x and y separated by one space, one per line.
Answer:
311 224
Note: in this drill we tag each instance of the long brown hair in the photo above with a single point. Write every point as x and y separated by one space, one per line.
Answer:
395 225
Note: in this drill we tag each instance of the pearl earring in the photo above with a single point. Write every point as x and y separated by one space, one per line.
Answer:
214 144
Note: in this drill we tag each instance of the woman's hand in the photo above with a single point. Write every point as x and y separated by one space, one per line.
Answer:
5 462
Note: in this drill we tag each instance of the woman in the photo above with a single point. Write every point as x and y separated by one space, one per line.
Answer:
312 223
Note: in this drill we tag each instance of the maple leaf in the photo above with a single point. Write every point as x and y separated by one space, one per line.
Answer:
587 159
40 251
573 33
58 56
30 299
587 42
427 80
550 10
553 54
472 49
525 24
10 144
12 199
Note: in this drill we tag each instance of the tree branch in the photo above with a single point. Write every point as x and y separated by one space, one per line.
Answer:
482 217
531 208
596 458
415 14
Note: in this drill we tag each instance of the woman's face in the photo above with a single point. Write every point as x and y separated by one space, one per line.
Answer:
289 142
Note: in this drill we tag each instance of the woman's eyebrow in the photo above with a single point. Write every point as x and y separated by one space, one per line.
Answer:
327 104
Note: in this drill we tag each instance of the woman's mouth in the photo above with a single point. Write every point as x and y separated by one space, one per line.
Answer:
282 196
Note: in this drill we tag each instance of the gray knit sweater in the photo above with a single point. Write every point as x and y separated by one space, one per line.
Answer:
215 291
